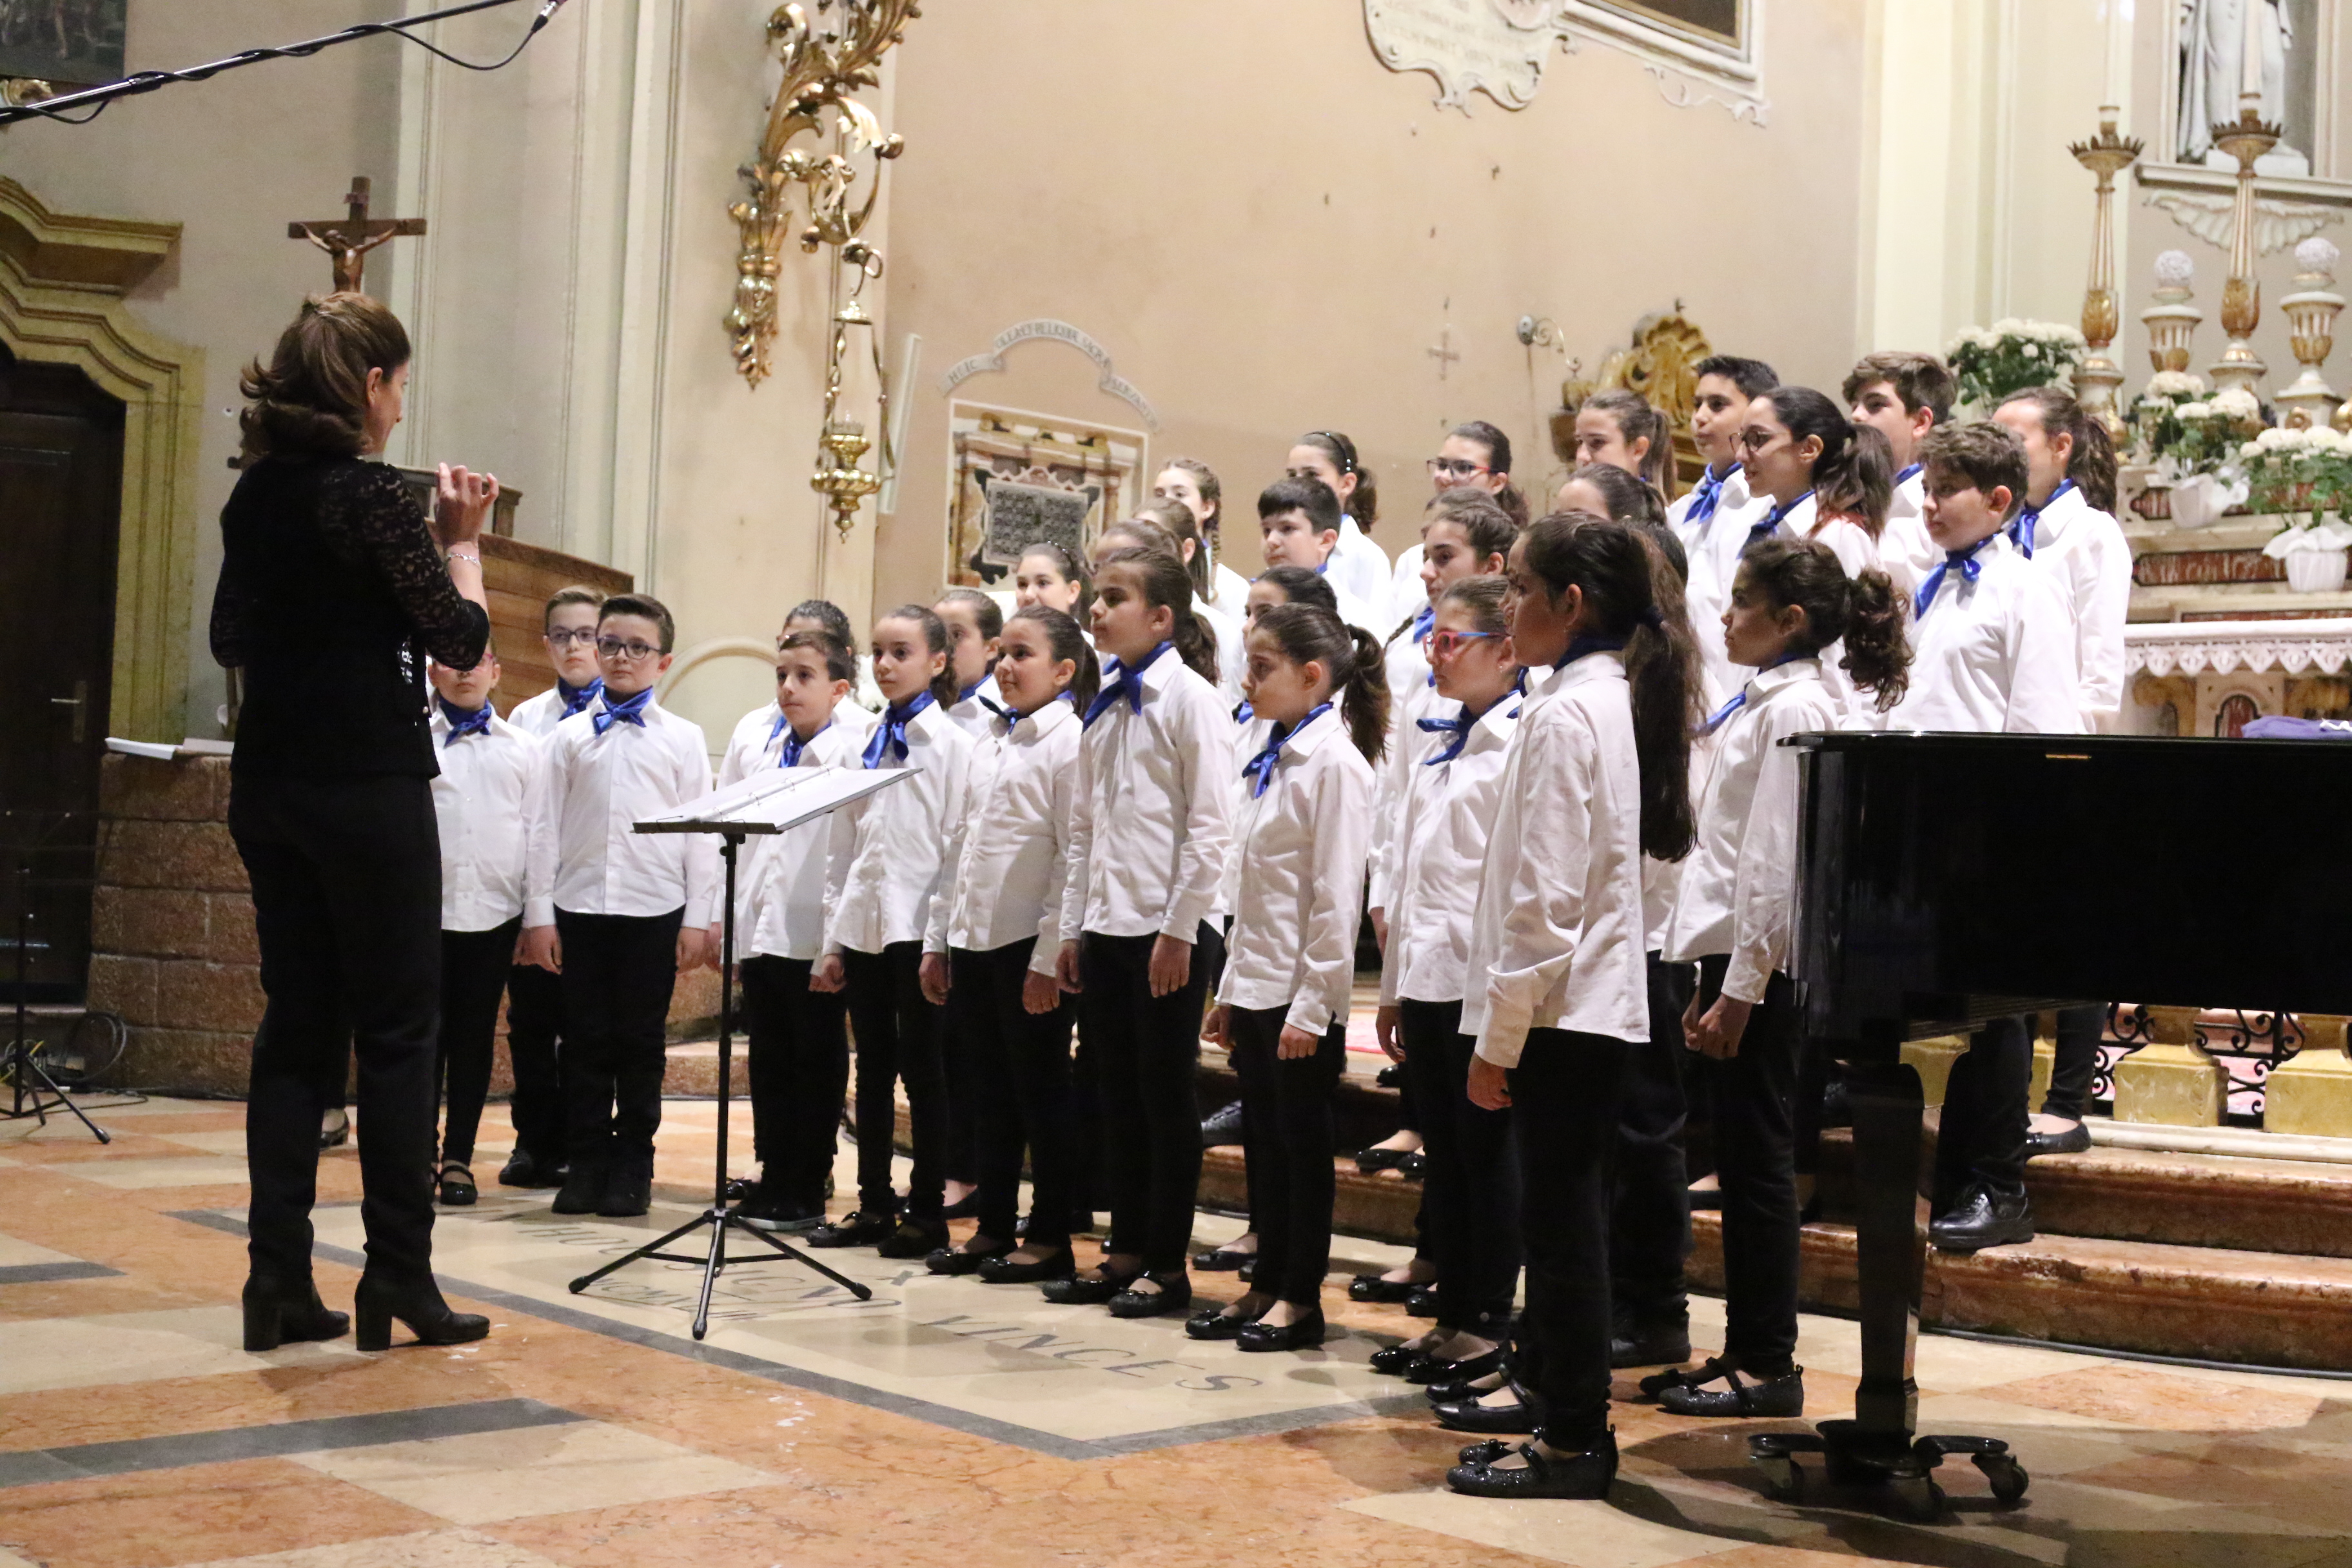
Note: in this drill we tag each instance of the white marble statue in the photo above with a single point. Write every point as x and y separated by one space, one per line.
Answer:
2213 40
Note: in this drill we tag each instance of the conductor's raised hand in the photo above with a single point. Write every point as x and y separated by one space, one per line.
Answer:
461 505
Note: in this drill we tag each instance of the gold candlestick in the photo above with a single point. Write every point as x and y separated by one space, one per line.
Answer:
2246 139
2106 156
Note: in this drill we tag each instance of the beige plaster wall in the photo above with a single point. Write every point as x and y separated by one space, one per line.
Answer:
1268 229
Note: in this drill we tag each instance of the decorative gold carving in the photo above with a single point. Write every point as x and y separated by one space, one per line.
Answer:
2106 156
1658 367
2311 312
2246 139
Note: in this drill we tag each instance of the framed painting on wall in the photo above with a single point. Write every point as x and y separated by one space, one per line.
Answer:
1017 476
1720 22
74 43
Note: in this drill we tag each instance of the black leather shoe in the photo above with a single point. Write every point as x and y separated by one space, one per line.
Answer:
336 1133
767 1209
1421 1303
1428 1369
1413 1166
378 1301
1705 1200
1175 1294
914 1239
1650 1347
1215 1323
955 1261
1373 1288
1220 1260
964 1207
629 1188
1390 1360
1837 1105
1980 1219
1303 1333
1585 1475
526 1170
1484 1452
1469 1415
457 1189
1686 1393
1223 1127
1462 1388
1371 1161
1004 1271
583 1189
863 1228
2076 1140
1081 1290
281 1312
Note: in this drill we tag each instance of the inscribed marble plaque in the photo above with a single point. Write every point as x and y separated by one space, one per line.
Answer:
1494 47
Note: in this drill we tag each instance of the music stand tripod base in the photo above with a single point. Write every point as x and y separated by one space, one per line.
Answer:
718 1217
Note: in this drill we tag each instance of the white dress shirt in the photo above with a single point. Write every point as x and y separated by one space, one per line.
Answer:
883 864
1711 548
1231 634
584 856
972 714
1857 552
1151 820
486 797
1007 863
1228 592
1995 654
1301 846
1359 569
1556 940
1738 883
1905 552
781 892
1408 595
2084 548
1412 698
756 736
537 716
1437 845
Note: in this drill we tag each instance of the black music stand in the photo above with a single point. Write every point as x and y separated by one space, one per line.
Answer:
32 1091
771 802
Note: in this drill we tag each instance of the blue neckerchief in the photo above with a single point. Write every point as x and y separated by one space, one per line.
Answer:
2020 527
1422 622
1708 495
461 722
1910 471
1966 559
575 698
892 732
1739 697
973 691
1125 682
628 711
1765 529
1462 723
1259 769
788 755
1579 647
1244 712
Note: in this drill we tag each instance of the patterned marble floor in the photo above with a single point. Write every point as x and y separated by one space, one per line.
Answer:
944 1422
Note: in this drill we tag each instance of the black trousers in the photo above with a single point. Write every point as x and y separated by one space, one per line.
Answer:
1290 1145
1565 1096
1754 1094
1470 1193
1149 1046
2077 1035
898 1037
959 1058
797 1057
534 1025
346 875
618 973
473 969
1649 1234
1980 1138
1020 1075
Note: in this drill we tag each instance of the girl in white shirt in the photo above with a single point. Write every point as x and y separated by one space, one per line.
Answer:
1302 833
1622 429
974 621
1049 576
1790 600
882 870
995 931
1359 567
1444 812
1151 826
1193 483
1597 774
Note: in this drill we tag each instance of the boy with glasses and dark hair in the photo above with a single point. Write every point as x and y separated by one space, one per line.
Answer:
615 912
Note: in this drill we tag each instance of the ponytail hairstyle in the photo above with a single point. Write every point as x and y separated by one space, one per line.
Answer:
1635 418
1204 480
944 689
1140 533
1063 638
1630 499
1359 685
823 612
1066 563
2092 464
1864 491
1630 593
840 658
1497 445
1867 611
1301 586
310 399
1364 505
1483 597
1482 518
1810 413
986 613
1181 524
1165 586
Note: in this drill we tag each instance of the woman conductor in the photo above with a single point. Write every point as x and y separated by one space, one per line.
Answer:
333 592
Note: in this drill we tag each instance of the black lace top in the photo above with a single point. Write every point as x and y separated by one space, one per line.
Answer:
331 592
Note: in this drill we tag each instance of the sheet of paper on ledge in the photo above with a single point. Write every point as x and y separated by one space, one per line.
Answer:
165 750
776 800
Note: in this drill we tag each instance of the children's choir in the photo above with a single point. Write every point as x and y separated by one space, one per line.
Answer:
1155 801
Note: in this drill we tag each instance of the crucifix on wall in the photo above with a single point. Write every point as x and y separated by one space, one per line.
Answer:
1444 352
347 241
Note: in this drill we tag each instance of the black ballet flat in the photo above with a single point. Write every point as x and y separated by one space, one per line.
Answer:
954 1260
1413 1166
2076 1140
1304 1333
964 1207
1421 1303
1484 1452
1705 1200
1469 1415
1426 1369
1220 1260
281 1312
1175 1294
859 1229
457 1189
1372 1162
913 1238
524 1169
1461 1388
1391 1361
1373 1288
1587 1476
1003 1270
1073 1290
1217 1324
336 1136
1686 1393
419 1306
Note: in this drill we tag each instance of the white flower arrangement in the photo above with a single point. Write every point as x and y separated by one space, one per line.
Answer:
2238 403
2013 355
2175 384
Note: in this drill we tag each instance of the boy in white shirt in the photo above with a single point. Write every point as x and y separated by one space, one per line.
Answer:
1298 525
534 996
1713 517
1904 396
1993 651
619 914
486 796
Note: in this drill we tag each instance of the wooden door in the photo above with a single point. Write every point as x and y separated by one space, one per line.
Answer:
60 501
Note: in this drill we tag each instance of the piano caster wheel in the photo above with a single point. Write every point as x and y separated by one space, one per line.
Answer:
1784 1479
1917 1498
2007 1476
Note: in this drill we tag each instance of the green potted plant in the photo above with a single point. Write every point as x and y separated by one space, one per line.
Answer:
2301 475
2200 462
2013 355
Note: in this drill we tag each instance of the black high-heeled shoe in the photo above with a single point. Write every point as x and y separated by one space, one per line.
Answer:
280 1312
378 1301
1302 1334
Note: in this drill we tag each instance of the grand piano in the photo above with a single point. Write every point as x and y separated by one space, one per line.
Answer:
1947 879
